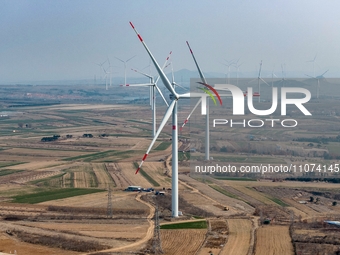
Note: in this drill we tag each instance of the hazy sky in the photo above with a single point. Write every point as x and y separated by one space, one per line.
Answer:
57 40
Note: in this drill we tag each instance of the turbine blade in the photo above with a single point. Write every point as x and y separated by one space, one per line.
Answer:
264 81
119 60
164 120
260 69
192 111
160 92
172 74
147 75
198 68
165 79
130 58
141 85
324 73
310 76
180 86
165 65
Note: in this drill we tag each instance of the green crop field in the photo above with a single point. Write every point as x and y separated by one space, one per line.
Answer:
223 191
163 146
146 176
8 172
49 195
6 164
185 225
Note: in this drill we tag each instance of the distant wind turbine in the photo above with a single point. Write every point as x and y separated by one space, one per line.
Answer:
313 61
125 61
228 65
317 78
153 86
259 79
283 75
273 74
237 66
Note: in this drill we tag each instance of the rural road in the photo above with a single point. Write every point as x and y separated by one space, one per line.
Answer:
147 237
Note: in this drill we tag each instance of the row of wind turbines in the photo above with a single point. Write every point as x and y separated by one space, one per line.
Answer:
108 70
171 110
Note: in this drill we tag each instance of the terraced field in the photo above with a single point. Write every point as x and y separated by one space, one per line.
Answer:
239 237
273 240
182 241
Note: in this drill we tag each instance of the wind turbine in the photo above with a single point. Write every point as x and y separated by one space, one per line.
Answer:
317 78
237 66
259 79
171 110
273 74
101 67
207 128
174 84
106 78
229 64
313 61
125 61
153 86
110 72
283 75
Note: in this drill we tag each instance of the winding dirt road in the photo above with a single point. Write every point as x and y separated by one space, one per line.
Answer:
147 237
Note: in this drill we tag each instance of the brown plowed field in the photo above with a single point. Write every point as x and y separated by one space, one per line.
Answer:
182 241
9 245
273 240
239 237
128 169
156 170
104 180
133 230
122 200
216 197
116 173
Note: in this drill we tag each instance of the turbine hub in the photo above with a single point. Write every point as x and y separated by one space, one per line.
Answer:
172 97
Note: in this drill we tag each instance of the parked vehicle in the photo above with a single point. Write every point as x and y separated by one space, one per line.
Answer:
133 188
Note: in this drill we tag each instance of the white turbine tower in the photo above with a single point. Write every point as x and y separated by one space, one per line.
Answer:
207 130
125 61
228 65
283 74
174 84
273 74
171 110
101 68
259 79
317 78
237 66
110 72
106 78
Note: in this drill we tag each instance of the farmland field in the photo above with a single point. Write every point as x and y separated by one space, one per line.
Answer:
182 241
273 240
238 238
73 187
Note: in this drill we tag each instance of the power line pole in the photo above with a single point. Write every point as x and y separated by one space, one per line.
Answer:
109 203
157 245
